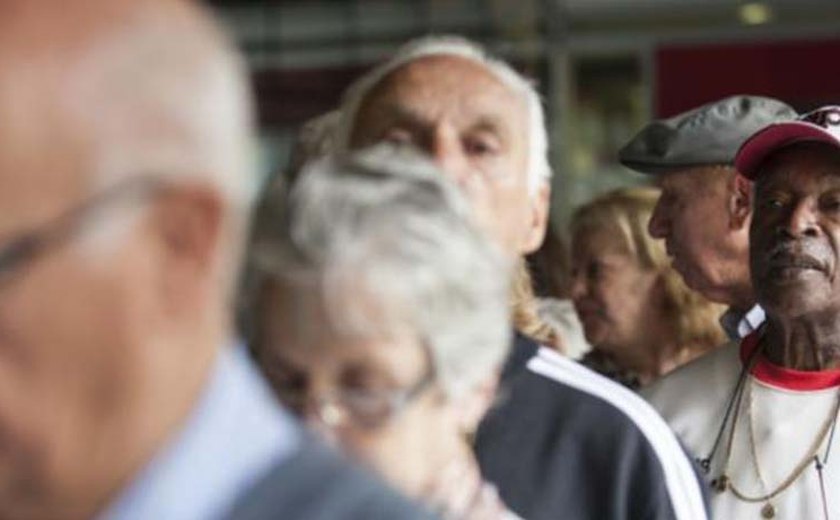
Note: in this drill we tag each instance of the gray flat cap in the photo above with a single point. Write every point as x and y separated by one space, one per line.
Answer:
710 134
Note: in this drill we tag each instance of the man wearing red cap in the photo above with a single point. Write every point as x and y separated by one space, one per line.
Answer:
761 415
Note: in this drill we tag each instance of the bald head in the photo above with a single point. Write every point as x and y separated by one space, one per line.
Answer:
95 97
139 85
475 117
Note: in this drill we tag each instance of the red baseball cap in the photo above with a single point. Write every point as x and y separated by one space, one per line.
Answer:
821 125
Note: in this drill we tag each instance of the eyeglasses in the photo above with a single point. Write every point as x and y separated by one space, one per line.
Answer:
21 250
366 408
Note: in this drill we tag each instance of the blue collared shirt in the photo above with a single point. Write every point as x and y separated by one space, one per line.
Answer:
234 435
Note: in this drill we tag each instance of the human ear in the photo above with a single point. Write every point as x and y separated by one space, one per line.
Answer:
188 227
740 202
472 406
538 219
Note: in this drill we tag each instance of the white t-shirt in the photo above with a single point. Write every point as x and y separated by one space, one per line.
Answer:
788 409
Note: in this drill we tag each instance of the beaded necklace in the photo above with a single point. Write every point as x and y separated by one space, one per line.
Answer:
724 482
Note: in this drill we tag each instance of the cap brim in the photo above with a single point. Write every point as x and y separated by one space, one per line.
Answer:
753 152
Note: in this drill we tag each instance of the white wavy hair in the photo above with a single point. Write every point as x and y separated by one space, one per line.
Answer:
387 248
539 169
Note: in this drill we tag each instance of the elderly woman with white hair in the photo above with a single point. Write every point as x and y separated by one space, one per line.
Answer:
380 316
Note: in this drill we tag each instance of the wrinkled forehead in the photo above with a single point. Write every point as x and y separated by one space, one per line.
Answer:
299 317
802 167
45 143
435 88
45 160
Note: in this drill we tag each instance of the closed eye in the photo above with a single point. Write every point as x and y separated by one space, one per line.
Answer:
398 135
18 253
772 202
830 204
285 378
482 145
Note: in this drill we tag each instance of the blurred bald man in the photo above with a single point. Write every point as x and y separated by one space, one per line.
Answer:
124 187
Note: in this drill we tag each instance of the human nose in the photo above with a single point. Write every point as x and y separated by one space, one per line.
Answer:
658 223
577 285
324 416
801 221
446 152
324 411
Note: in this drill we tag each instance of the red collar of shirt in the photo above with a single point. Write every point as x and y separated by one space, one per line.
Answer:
788 378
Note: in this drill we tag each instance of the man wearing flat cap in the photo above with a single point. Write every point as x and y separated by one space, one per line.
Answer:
761 413
704 211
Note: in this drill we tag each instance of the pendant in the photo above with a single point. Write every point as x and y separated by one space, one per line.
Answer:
720 484
768 511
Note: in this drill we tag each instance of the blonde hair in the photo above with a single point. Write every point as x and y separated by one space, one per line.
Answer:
695 319
523 309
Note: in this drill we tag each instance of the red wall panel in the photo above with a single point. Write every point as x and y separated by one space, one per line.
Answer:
803 73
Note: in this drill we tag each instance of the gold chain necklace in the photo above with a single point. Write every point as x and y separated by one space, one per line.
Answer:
769 510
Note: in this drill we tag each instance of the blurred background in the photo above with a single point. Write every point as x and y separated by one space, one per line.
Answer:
604 67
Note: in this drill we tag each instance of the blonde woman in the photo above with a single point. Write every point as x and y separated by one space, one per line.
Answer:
637 313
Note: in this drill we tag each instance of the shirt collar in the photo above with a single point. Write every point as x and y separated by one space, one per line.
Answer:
781 377
738 324
233 436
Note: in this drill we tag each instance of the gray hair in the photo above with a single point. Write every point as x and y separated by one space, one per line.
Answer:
383 226
316 138
167 95
539 169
